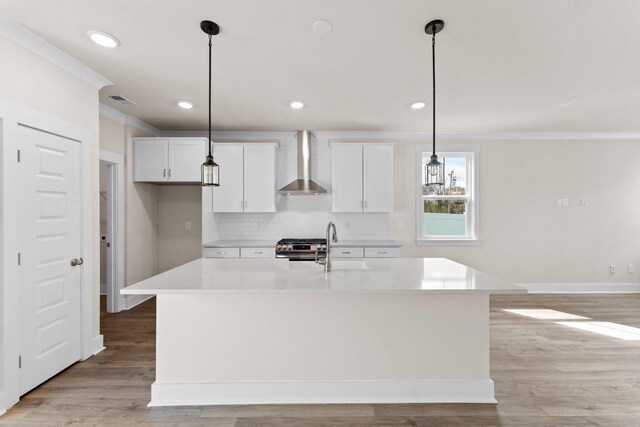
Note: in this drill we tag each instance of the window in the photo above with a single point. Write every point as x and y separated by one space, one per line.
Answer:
448 214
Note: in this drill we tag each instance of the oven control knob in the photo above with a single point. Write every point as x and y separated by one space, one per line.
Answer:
278 247
290 247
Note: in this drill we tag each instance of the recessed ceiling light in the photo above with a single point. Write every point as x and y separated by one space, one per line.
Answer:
321 26
103 39
418 105
185 104
296 105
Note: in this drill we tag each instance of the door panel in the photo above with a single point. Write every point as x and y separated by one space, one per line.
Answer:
49 287
185 160
347 178
378 178
260 179
228 197
151 160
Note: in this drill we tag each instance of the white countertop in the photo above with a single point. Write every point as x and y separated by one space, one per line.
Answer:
272 244
280 276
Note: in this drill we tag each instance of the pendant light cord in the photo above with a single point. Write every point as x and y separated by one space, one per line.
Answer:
433 69
210 95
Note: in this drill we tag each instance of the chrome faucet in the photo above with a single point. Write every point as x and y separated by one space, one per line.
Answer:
330 238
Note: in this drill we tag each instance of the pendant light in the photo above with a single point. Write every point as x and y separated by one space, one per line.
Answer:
210 169
434 170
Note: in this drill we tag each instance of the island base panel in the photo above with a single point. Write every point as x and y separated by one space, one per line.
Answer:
356 348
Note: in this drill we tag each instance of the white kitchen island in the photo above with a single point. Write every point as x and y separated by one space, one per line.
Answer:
257 331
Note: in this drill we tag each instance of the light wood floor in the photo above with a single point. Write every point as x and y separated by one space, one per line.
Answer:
545 374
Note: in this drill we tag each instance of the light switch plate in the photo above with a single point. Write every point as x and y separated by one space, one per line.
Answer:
187 225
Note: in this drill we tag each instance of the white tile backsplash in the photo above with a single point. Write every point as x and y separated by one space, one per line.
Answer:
297 216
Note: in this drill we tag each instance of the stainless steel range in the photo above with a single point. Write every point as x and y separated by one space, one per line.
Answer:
301 249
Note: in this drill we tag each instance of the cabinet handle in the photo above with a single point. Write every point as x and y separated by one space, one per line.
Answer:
259 252
382 252
164 173
169 172
346 252
246 203
222 253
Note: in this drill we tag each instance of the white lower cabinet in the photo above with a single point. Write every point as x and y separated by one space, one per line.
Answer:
257 252
347 252
221 253
382 252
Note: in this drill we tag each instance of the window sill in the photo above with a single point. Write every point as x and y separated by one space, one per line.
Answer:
448 242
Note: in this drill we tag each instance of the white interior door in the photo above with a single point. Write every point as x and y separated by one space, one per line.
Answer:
185 160
228 197
260 178
378 178
49 287
346 175
151 160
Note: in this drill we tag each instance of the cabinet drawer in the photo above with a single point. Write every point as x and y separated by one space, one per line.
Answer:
347 252
382 252
257 252
221 253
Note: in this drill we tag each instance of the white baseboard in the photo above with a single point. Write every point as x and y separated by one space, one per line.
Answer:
95 346
133 300
582 288
321 392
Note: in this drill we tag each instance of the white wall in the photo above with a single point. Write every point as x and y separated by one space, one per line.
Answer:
141 204
177 205
525 236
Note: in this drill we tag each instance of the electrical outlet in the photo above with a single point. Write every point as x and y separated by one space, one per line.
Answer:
612 269
559 203
631 269
187 225
583 203
565 202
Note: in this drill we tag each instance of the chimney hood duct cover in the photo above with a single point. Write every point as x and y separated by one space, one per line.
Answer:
303 185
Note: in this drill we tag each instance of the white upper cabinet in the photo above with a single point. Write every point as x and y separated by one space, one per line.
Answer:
362 177
259 178
377 178
168 160
185 160
228 196
151 160
247 177
346 178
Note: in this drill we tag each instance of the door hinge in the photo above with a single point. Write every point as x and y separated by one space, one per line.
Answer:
19 258
19 362
18 156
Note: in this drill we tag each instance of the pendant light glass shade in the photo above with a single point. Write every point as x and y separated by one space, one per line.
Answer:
210 173
434 172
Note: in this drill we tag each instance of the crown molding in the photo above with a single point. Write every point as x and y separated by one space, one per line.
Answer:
28 40
416 136
126 119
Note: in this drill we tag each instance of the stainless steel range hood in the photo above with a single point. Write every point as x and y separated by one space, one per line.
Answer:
303 185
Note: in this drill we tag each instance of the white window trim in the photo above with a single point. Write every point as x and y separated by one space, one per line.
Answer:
474 196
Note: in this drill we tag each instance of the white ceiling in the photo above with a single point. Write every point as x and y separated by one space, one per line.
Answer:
502 65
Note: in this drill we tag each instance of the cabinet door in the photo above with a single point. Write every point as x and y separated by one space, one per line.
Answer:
346 173
185 160
259 178
151 160
378 178
228 196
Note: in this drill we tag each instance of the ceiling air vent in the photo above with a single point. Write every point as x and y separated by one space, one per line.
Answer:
122 100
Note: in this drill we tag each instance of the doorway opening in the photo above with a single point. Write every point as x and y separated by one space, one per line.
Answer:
111 230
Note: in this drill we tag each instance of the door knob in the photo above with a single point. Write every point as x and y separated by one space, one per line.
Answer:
76 261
